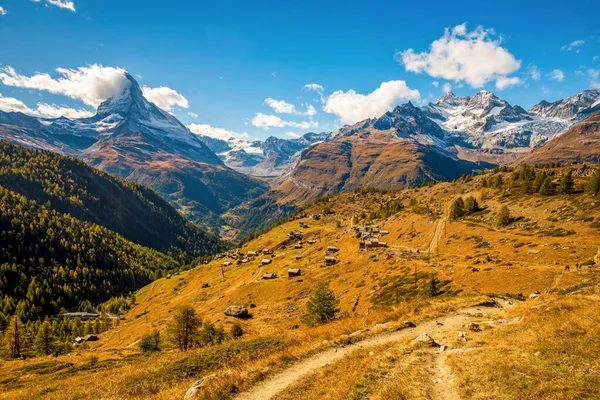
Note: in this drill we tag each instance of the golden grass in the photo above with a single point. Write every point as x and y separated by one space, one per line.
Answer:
515 260
552 354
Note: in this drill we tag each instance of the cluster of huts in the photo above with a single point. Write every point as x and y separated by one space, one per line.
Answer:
369 236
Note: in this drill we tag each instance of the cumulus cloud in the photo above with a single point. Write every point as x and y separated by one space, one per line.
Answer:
282 107
216 133
352 107
193 115
557 75
506 82
66 4
267 122
2 10
91 84
9 104
573 46
43 110
447 88
165 98
435 83
534 72
473 57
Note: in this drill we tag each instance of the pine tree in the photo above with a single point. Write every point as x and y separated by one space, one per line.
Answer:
471 205
183 328
457 209
503 218
44 340
13 338
547 188
593 185
566 184
322 306
434 289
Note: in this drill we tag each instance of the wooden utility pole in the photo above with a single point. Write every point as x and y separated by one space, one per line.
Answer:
415 276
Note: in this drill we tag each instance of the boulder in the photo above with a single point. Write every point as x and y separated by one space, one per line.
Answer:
474 327
409 324
206 382
425 340
237 312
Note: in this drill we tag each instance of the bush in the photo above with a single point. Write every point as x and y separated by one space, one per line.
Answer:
236 331
150 342
503 218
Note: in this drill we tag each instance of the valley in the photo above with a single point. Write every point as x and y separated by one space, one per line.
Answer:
503 278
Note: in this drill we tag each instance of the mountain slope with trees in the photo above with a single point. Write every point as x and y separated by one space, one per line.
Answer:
50 260
134 211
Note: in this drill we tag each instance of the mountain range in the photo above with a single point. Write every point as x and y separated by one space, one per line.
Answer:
134 139
225 184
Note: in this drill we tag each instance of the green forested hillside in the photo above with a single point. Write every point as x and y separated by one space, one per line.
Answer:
50 260
132 210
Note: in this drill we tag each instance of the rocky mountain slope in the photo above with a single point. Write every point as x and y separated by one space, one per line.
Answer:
132 138
579 144
271 157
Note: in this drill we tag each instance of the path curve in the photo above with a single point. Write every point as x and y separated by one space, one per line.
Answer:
277 383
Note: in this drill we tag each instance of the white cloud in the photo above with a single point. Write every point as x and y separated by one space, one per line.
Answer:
473 57
217 133
447 88
435 83
595 58
2 10
293 135
557 75
91 84
534 72
352 107
165 98
594 77
193 115
66 4
573 46
280 106
9 104
54 111
266 122
314 86
506 82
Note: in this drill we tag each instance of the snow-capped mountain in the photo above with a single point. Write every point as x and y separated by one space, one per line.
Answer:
490 124
271 157
129 112
576 107
134 139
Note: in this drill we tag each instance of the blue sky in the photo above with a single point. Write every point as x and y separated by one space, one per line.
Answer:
221 60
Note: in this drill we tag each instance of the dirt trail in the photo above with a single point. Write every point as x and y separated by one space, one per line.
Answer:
437 236
446 325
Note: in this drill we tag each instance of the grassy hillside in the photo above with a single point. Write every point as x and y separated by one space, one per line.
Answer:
71 187
519 260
